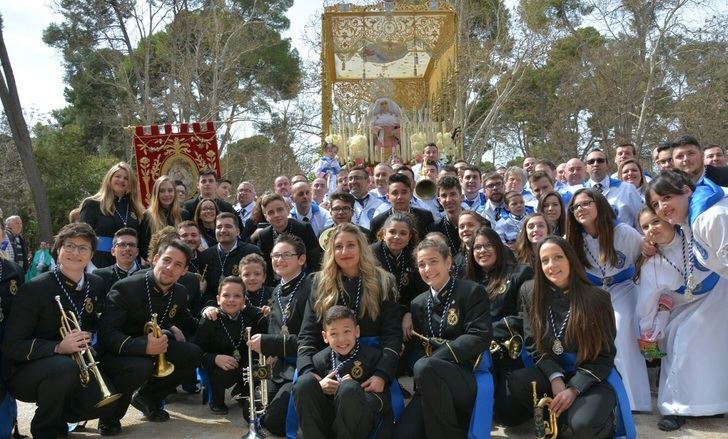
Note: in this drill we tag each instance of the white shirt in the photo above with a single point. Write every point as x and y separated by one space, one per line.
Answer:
623 197
317 217
363 213
244 212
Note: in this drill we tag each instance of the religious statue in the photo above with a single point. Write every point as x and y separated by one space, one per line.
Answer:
385 115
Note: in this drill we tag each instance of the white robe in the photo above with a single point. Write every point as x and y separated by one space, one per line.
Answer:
711 237
692 376
629 361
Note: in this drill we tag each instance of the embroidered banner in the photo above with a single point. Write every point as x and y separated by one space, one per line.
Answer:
181 154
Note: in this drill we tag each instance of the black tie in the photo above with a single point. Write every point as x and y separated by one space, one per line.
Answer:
305 219
599 187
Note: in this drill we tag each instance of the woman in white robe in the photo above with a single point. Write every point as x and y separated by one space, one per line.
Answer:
609 251
695 332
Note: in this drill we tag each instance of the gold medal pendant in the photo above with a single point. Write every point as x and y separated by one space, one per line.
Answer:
557 347
13 286
452 317
357 371
236 355
173 311
88 306
236 270
405 279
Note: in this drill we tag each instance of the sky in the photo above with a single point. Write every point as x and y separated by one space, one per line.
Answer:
38 68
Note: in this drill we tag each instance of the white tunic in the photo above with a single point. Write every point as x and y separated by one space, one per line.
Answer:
363 214
629 361
692 376
711 237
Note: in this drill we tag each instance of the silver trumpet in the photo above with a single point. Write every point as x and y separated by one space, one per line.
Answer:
259 371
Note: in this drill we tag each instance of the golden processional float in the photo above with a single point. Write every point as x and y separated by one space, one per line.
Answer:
389 80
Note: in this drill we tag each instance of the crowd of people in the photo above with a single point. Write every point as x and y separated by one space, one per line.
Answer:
555 279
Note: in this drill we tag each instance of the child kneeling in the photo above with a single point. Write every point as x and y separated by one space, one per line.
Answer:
337 405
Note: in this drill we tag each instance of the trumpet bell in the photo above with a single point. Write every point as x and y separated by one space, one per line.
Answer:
163 368
107 400
513 346
425 189
325 236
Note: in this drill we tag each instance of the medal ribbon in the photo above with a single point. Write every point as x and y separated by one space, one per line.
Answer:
79 315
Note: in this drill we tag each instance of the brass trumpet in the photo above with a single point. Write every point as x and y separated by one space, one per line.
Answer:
259 371
85 358
426 190
163 367
544 429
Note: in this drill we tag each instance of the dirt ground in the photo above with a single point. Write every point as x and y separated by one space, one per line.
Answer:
191 419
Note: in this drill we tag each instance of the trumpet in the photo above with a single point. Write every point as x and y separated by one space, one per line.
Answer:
87 365
256 372
544 429
163 367
512 346
425 189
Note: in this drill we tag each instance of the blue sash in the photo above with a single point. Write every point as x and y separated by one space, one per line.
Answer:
622 276
704 287
481 420
291 415
104 243
625 423
706 194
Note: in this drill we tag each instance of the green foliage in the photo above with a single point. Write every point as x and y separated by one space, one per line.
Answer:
69 174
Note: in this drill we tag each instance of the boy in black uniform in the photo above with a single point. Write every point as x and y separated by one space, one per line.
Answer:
222 260
11 278
453 317
331 401
284 321
124 249
130 305
276 212
38 363
223 340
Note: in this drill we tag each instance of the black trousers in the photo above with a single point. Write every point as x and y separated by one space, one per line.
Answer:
442 404
590 416
53 383
350 413
220 380
506 410
279 394
186 358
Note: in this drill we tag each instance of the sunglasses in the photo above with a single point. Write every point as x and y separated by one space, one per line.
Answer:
597 160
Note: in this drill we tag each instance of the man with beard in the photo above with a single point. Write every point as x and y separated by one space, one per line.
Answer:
687 156
495 207
366 203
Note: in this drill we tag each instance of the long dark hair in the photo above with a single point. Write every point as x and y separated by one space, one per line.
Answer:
524 248
604 223
502 268
560 227
591 324
670 182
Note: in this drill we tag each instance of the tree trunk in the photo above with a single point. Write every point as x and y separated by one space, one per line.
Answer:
21 137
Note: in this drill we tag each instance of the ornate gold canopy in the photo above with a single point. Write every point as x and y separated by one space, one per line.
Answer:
400 51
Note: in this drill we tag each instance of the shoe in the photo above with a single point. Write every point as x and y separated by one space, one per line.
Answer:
153 413
671 423
218 409
191 388
109 428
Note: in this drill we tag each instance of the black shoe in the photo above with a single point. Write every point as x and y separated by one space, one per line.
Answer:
109 428
152 412
671 423
218 409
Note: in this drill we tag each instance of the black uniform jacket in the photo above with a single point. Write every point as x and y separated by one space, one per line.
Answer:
121 330
107 225
275 344
314 252
111 275
505 307
406 276
11 279
366 360
214 340
423 220
32 330
587 372
191 282
387 326
467 326
262 297
450 231
216 265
